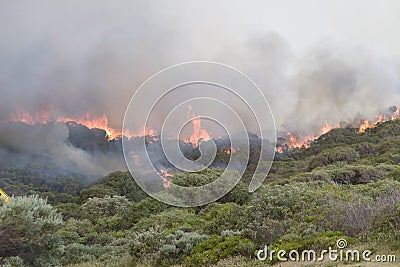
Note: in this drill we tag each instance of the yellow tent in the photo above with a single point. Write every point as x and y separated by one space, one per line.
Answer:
4 195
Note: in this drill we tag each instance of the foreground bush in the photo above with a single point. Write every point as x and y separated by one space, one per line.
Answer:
28 227
161 249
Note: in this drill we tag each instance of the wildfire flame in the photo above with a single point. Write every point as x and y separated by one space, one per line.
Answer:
291 141
230 151
90 120
395 114
367 124
198 133
326 128
166 177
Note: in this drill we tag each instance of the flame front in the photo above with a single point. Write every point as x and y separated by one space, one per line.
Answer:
291 141
381 118
90 120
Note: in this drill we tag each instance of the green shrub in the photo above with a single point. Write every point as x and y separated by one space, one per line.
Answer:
220 217
170 219
329 156
178 246
145 246
216 248
28 229
97 208
13 262
78 253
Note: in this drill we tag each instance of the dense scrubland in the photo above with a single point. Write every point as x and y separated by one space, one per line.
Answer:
345 185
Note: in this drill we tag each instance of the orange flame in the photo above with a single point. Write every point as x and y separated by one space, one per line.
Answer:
166 177
231 150
363 126
198 133
293 142
395 114
327 128
90 120
366 124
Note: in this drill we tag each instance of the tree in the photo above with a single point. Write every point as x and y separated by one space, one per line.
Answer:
28 227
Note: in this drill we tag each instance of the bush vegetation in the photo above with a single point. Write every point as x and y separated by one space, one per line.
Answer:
345 185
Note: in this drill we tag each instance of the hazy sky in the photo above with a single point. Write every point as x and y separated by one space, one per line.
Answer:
302 23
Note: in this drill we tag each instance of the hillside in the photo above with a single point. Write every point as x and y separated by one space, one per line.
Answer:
346 185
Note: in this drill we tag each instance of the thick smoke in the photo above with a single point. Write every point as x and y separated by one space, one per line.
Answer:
341 85
79 57
22 144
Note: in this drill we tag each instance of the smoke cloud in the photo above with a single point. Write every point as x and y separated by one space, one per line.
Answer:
22 144
74 57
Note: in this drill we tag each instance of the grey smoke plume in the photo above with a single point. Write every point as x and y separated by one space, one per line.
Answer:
342 85
79 57
21 144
